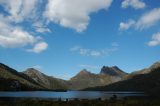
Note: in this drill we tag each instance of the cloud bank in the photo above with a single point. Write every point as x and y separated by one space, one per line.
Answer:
74 14
94 52
136 4
147 20
155 40
12 34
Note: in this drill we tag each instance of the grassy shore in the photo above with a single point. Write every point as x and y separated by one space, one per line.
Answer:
76 102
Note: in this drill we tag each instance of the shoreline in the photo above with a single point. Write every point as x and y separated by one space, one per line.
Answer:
76 102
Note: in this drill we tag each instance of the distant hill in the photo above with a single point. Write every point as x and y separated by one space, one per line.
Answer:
10 79
143 71
48 82
86 79
147 70
148 81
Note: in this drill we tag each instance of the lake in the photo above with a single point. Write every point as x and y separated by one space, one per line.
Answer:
70 94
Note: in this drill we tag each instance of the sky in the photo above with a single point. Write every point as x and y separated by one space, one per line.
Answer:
62 37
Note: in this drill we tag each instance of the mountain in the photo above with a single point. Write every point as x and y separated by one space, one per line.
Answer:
147 70
112 71
48 82
148 81
33 79
143 71
85 79
10 79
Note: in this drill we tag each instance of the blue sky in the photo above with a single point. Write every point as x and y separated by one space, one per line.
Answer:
61 37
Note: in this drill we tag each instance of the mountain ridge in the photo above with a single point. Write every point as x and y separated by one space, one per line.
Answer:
108 77
87 79
81 80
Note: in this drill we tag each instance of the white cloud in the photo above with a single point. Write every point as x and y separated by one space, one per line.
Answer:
145 21
75 48
12 34
127 25
19 9
40 27
89 67
149 19
136 4
155 40
39 47
74 13
16 38
93 52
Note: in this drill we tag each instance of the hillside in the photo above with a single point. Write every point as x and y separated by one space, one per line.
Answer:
86 79
10 79
48 82
34 79
148 82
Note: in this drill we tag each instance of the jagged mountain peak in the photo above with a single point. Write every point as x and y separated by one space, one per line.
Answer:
82 74
116 67
113 67
113 71
84 71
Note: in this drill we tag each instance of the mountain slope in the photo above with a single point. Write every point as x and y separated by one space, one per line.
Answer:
10 79
147 70
46 81
149 82
86 79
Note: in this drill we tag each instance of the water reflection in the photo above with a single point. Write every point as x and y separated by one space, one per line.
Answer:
70 94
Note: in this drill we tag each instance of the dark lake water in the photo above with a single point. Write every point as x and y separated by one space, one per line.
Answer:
70 94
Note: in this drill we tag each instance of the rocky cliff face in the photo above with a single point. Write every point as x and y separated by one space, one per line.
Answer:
112 71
